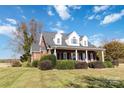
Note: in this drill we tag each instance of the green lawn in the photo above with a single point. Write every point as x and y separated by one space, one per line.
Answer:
33 77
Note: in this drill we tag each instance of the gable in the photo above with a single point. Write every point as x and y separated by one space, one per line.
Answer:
58 39
73 39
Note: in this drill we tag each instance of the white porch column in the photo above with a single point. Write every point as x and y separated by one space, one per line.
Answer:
55 52
103 56
86 59
76 55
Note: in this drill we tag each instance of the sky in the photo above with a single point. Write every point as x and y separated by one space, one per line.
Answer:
97 22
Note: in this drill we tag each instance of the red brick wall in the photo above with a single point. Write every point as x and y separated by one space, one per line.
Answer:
37 55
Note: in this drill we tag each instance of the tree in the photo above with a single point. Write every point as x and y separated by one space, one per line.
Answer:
28 40
114 50
25 36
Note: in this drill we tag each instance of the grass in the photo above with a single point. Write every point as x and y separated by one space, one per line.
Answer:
22 77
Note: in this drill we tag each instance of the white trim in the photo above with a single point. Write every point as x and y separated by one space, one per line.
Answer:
70 37
83 40
78 48
58 36
86 56
40 39
103 56
76 55
55 52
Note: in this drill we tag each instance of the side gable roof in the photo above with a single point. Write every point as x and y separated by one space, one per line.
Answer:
49 36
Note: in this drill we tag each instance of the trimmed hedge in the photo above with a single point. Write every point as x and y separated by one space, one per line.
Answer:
45 65
16 64
35 63
96 65
65 64
50 57
81 65
108 64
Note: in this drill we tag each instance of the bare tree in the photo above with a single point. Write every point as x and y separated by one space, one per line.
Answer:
24 37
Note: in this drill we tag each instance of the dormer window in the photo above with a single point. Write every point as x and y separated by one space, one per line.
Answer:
85 43
74 40
58 40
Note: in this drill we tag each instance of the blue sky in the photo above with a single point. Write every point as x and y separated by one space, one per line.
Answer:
97 22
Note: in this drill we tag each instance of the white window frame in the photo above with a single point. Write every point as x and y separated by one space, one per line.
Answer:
58 36
74 40
59 41
85 43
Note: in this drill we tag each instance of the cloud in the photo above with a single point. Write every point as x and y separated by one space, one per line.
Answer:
112 18
12 21
121 40
57 30
97 9
20 9
23 17
74 6
96 39
7 30
59 24
91 17
50 13
62 11
97 17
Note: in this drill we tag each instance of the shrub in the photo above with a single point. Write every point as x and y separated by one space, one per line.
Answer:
35 63
26 64
45 65
16 64
115 63
50 57
81 65
96 65
108 64
65 64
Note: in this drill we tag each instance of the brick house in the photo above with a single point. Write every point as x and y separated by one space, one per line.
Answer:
65 46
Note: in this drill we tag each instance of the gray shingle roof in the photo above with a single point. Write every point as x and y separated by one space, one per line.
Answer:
49 36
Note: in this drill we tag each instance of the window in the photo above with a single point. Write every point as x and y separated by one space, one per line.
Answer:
85 43
74 40
84 56
73 56
58 41
64 55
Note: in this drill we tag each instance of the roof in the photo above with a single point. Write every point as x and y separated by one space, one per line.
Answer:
35 45
49 36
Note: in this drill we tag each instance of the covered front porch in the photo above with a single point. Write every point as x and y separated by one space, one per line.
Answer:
82 54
